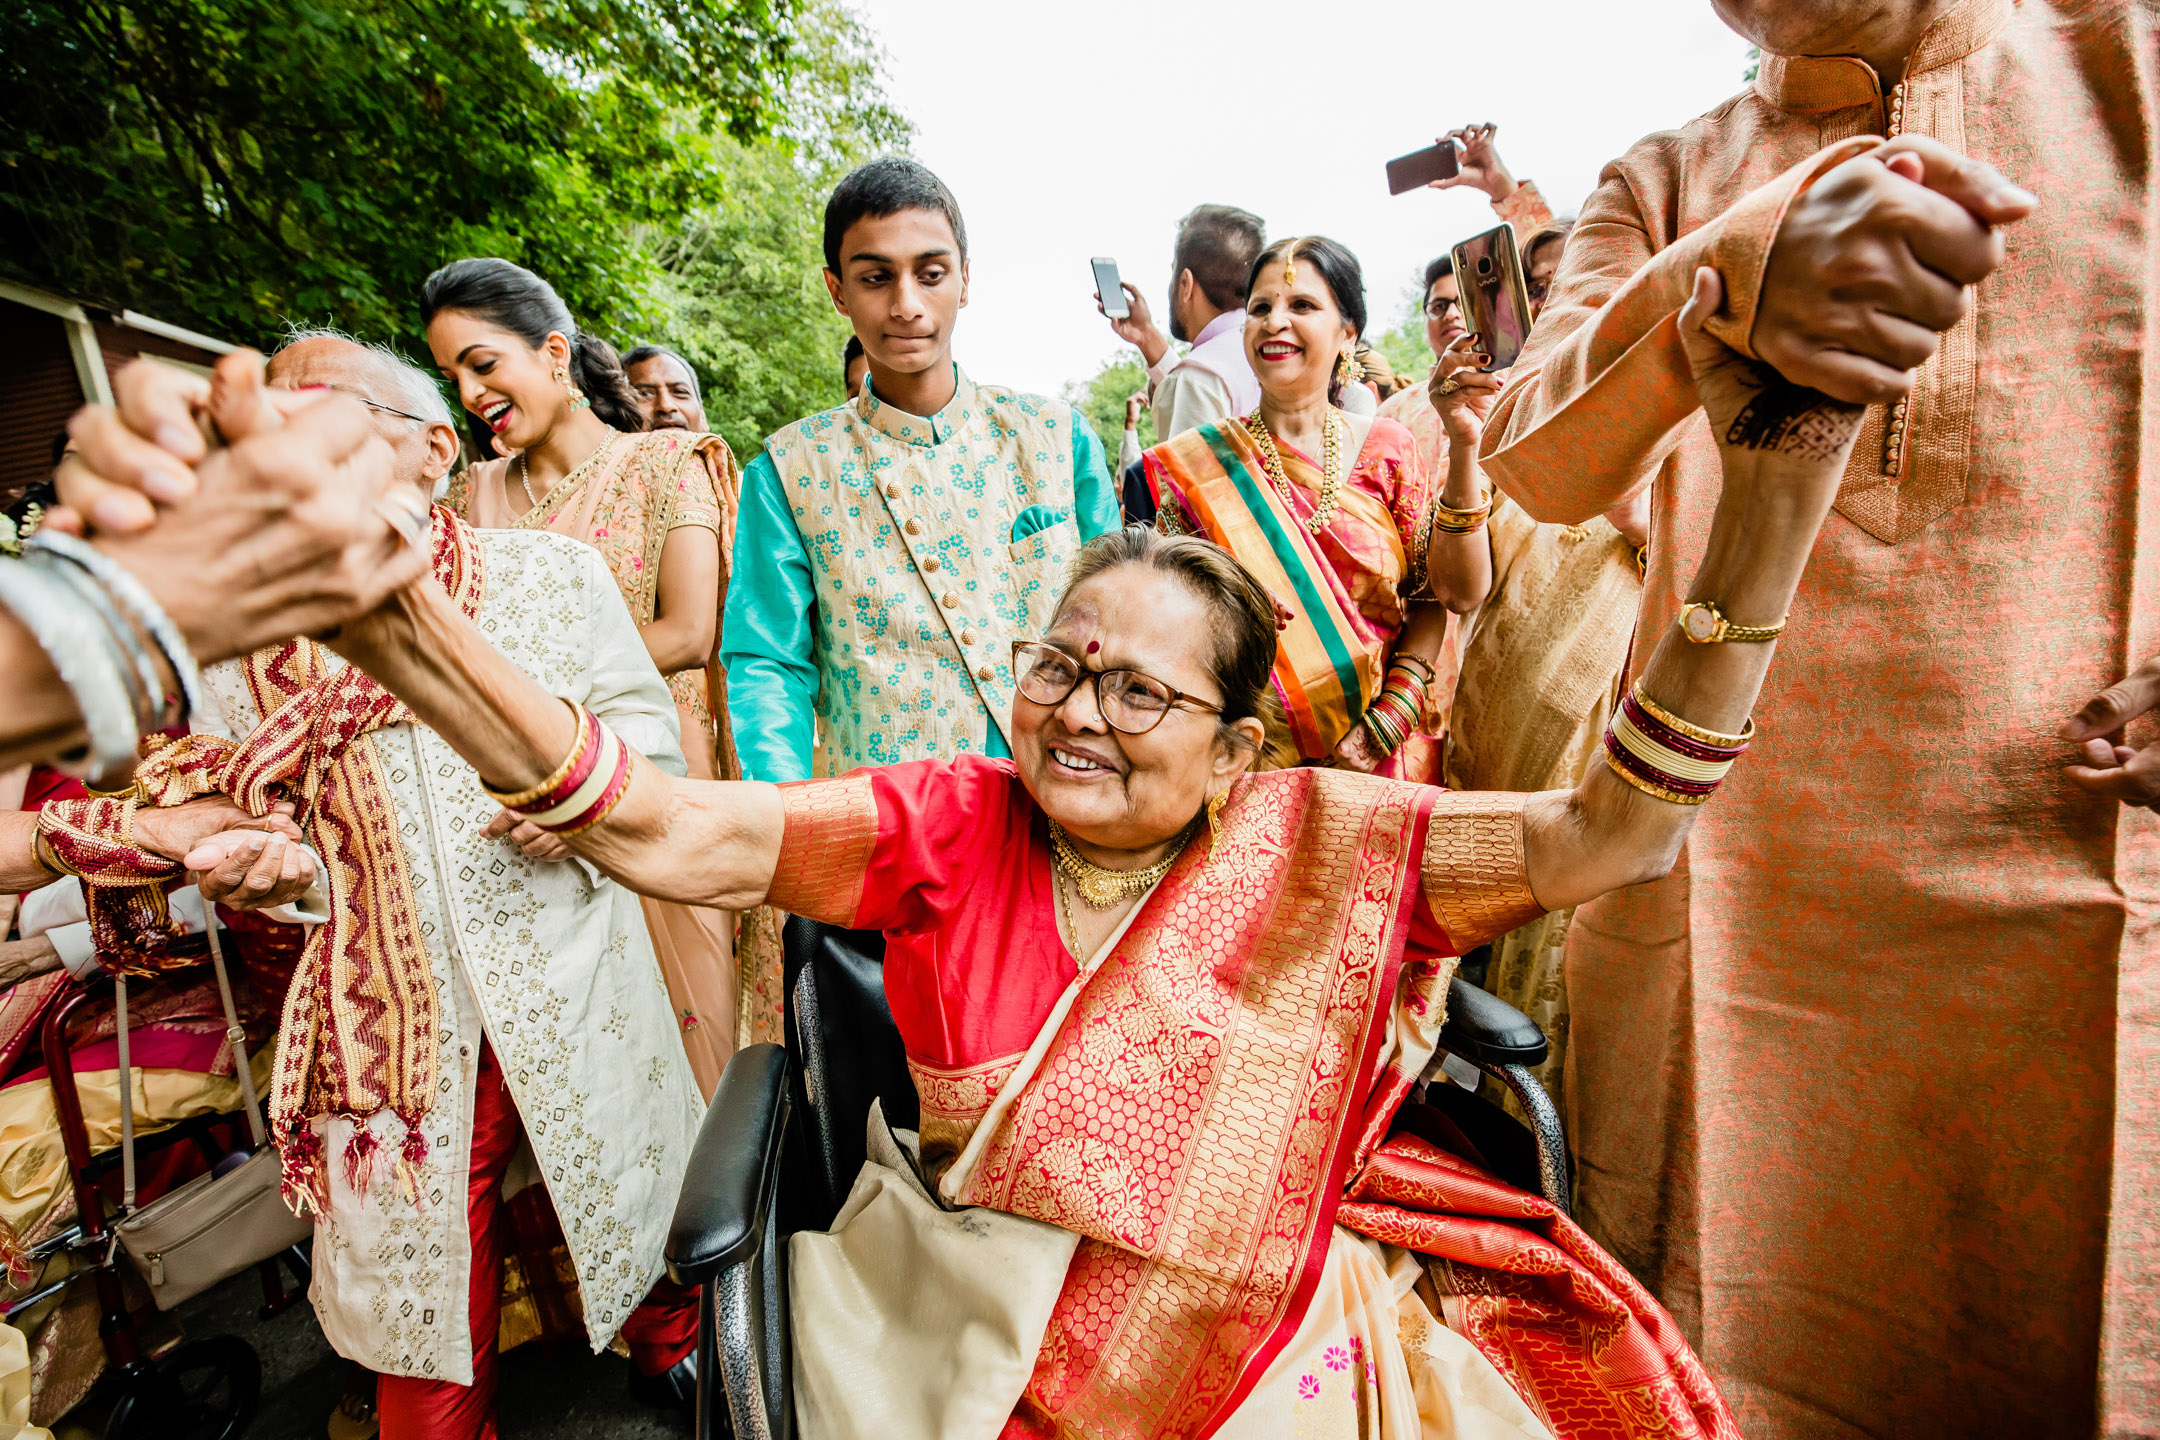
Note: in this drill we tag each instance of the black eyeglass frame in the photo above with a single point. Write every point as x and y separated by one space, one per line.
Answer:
1446 303
1083 675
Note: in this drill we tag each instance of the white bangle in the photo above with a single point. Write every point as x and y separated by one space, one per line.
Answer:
139 606
85 662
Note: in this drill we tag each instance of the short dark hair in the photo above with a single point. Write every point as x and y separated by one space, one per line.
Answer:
1217 243
886 186
1445 265
1243 662
653 352
849 354
1551 232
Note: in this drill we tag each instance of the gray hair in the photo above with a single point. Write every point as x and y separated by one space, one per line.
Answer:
416 390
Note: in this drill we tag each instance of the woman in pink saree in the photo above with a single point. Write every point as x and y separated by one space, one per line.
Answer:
1164 1012
660 506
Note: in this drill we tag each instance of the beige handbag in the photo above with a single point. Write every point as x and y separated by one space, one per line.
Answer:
214 1226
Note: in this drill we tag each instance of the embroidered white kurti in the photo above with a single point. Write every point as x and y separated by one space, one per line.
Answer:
545 960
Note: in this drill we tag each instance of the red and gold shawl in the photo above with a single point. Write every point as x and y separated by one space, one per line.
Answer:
360 1028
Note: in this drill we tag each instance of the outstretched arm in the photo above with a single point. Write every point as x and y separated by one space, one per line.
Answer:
1784 450
701 842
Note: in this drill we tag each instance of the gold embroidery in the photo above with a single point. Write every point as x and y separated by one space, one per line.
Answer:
953 1104
1477 880
1186 1120
825 850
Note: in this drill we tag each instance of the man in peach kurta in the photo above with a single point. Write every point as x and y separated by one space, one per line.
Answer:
1866 1089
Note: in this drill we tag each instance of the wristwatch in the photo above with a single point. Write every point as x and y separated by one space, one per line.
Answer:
1704 624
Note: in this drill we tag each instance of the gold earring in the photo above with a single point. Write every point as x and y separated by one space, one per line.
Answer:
1348 368
1215 805
578 400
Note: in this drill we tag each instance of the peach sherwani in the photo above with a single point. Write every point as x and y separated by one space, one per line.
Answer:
1865 1089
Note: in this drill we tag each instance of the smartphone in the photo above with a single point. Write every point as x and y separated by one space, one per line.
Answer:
1421 167
1495 301
1110 288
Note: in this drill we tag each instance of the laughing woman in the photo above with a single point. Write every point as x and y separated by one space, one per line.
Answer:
1163 1013
1326 509
659 506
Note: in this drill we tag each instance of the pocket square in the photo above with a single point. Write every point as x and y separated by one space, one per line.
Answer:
1037 517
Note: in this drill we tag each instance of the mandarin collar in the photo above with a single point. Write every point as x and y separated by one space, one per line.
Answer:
912 429
1806 83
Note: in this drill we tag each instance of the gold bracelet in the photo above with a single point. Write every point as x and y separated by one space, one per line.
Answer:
1648 787
522 798
1693 732
1450 521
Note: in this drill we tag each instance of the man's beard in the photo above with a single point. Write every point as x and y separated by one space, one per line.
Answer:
1177 326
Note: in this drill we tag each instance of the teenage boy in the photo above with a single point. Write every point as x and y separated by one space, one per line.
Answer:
888 552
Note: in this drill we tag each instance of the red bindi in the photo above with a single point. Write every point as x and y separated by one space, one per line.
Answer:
1093 646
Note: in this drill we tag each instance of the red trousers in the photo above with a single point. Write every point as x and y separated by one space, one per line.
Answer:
660 1332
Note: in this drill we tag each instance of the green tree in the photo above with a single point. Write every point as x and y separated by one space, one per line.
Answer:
235 163
1101 399
739 289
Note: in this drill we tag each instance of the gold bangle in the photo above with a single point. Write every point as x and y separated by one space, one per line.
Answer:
1450 521
523 798
1693 732
1646 786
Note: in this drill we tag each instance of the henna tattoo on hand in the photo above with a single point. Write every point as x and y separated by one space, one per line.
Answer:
1795 420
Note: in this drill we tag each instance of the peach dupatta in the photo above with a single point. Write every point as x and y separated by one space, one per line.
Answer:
624 500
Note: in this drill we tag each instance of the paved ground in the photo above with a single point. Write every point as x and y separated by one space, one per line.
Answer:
563 1395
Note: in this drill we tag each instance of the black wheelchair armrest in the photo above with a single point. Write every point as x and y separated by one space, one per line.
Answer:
1486 1030
734 1168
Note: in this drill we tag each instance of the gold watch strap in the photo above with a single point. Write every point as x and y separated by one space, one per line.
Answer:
1752 632
1723 630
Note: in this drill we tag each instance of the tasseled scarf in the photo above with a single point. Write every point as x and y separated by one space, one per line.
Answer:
360 1028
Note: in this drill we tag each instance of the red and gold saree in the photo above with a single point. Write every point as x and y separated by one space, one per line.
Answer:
1196 1106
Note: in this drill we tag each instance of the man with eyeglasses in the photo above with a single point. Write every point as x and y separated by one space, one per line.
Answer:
468 984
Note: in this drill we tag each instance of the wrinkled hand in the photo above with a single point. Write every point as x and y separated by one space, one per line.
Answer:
1871 264
1137 328
1478 163
1359 751
1764 424
295 524
536 843
2105 766
173 831
251 869
1463 393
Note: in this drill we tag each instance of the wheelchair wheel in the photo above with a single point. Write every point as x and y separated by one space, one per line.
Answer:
205 1390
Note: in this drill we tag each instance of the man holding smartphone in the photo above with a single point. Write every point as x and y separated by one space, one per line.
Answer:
1865 1089
1212 381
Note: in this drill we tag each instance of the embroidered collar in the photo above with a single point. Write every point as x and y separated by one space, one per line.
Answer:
925 430
1807 83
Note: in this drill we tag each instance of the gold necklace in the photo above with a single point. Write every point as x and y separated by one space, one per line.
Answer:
1070 931
599 452
1101 887
1331 479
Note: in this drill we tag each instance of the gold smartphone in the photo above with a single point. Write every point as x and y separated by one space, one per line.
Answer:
1495 301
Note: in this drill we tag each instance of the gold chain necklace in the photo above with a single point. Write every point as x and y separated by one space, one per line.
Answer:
1331 477
1101 887
525 474
1070 931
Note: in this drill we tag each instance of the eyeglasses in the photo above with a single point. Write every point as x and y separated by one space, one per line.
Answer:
1131 702
1437 308
386 409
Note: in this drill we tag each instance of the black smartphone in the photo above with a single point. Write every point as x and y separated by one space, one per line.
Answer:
1421 167
1495 301
1110 288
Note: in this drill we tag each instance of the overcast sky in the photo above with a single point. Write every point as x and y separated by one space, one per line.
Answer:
1055 126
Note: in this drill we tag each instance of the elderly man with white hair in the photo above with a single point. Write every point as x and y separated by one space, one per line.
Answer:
468 983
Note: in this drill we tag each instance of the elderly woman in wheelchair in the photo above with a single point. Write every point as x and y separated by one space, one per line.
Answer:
1163 1014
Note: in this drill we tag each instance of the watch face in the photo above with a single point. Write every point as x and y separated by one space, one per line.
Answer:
1700 623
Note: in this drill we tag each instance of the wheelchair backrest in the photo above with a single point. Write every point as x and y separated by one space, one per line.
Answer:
847 1051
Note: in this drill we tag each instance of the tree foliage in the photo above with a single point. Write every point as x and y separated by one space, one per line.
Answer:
235 165
1101 399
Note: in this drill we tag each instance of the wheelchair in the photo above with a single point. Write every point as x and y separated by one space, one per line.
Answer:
784 1139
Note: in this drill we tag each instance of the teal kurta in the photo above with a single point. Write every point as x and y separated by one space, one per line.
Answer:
885 561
